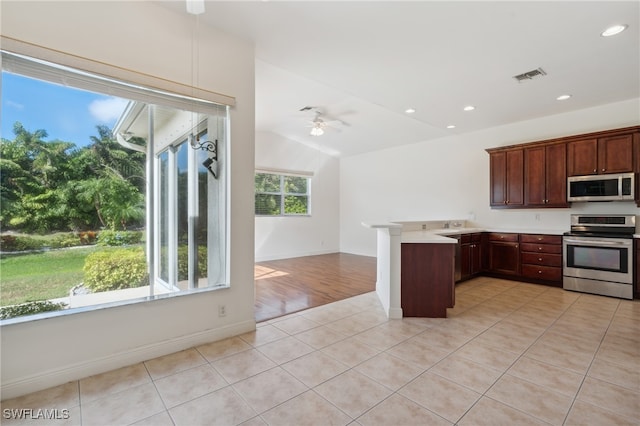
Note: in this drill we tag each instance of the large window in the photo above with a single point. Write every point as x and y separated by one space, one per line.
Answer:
282 194
191 215
146 196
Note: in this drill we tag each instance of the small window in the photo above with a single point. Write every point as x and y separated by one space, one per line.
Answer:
282 194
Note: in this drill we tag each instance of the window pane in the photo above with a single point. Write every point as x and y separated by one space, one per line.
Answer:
267 204
164 217
295 204
202 219
266 182
183 216
295 185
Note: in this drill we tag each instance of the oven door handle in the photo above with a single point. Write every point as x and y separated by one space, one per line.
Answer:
597 243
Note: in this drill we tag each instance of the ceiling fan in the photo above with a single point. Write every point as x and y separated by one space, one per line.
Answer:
319 124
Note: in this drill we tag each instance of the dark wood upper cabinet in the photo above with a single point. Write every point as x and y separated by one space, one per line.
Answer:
545 175
534 175
608 154
582 157
636 164
507 178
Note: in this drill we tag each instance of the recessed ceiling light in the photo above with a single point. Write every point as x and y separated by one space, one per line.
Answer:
409 110
613 30
451 126
469 108
563 97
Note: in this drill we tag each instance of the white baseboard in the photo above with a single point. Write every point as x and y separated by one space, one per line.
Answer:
293 255
47 379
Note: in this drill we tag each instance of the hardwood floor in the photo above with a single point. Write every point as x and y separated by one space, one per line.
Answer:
290 285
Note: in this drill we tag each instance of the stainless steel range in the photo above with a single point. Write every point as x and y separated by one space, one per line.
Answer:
598 255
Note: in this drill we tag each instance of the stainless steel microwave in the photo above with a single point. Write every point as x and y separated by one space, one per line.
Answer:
613 187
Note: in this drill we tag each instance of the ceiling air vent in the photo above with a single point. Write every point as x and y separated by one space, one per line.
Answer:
530 75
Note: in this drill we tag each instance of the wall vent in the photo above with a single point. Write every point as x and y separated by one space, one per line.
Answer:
530 75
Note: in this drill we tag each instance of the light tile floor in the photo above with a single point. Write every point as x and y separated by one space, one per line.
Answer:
509 354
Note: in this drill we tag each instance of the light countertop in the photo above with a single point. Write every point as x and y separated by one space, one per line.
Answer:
428 237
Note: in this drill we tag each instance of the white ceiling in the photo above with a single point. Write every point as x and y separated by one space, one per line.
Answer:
365 62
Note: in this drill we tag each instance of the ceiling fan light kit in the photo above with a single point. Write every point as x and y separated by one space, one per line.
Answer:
316 130
195 7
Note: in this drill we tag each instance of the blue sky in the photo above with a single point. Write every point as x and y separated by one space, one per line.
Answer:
67 114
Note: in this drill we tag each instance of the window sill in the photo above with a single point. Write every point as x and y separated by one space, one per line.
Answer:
107 305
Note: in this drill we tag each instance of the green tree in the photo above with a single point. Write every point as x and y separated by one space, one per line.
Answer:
32 170
116 201
50 186
110 157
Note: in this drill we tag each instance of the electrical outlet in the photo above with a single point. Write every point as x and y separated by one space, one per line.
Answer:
424 226
222 310
537 216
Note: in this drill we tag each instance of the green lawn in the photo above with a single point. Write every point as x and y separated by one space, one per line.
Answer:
41 276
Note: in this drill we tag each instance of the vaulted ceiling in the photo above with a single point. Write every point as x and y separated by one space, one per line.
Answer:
366 62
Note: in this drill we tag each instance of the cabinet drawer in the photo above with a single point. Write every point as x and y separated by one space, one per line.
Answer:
548 273
496 236
543 259
465 238
541 248
540 239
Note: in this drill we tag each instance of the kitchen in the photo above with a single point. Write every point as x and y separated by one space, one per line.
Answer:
596 256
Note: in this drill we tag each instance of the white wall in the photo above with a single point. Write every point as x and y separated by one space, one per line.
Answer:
147 38
449 178
283 237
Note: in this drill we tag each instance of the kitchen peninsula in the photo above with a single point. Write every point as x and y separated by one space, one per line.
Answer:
415 272
416 261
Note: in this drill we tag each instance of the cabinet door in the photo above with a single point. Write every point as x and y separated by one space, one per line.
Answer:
556 175
515 178
636 164
475 258
465 261
504 258
498 177
535 176
545 179
582 157
506 175
615 154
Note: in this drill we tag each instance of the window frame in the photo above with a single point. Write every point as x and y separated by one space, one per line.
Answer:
282 175
35 67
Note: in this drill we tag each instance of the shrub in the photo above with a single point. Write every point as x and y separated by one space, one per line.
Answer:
19 243
116 269
183 262
119 238
65 240
30 308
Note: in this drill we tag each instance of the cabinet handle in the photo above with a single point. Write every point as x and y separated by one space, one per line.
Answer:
595 170
540 259
539 238
603 170
539 272
539 248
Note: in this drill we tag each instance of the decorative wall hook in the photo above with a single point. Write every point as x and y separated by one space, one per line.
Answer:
211 146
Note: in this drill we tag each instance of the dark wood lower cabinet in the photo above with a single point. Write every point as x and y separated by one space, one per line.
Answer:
427 279
541 258
470 255
504 254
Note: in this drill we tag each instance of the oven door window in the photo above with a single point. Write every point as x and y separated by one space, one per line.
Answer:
598 258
